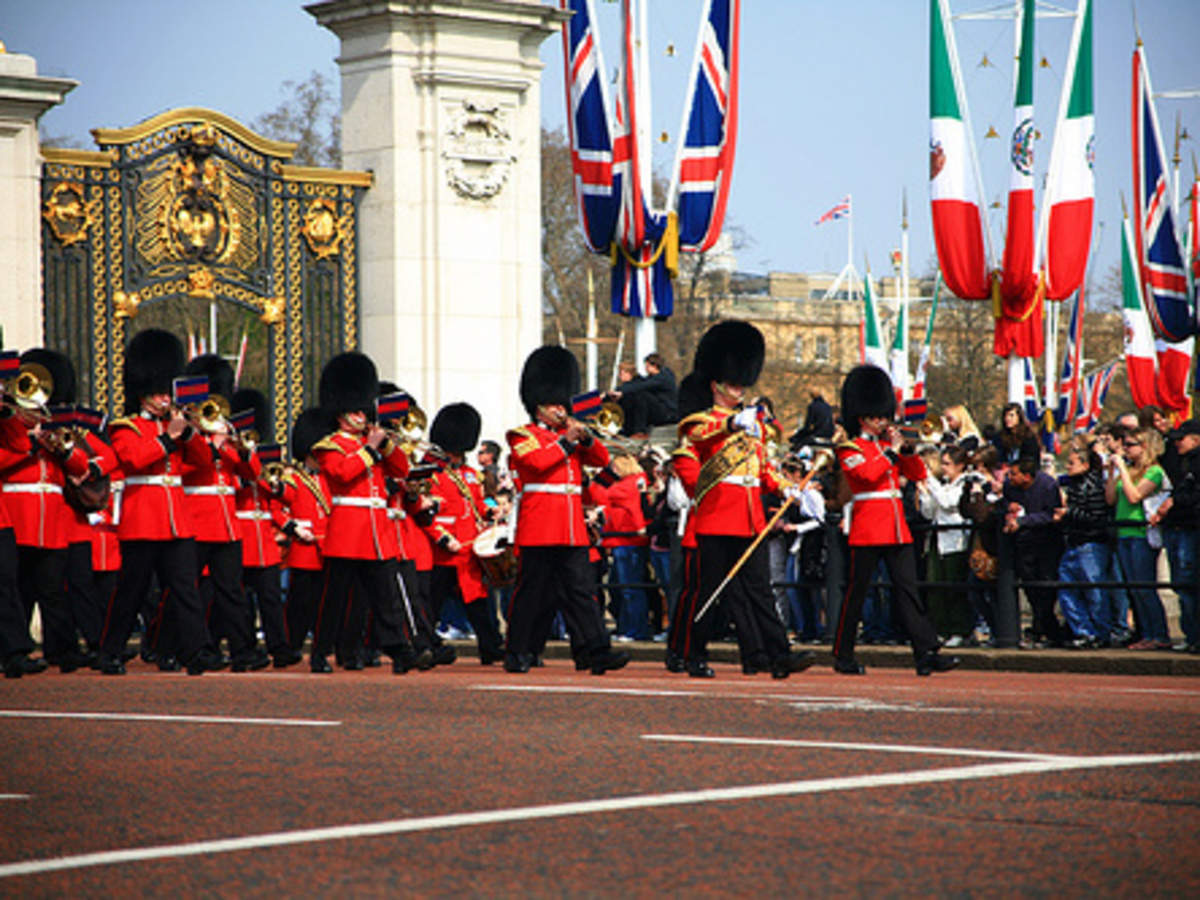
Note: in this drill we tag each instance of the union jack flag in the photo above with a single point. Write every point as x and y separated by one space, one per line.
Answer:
1029 392
597 188
1068 382
840 211
1163 274
1092 396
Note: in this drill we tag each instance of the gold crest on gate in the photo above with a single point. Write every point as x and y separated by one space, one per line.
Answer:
323 229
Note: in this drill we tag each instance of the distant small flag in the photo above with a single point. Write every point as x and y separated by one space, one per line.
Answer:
62 416
243 419
91 419
839 211
189 389
587 404
241 360
10 363
269 453
392 406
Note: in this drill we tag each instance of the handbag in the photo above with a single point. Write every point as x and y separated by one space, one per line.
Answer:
981 563
90 496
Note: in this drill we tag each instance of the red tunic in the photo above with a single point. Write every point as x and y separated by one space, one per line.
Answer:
358 525
877 513
33 490
733 506
461 513
551 478
210 486
153 507
102 461
106 548
258 516
624 506
687 467
306 499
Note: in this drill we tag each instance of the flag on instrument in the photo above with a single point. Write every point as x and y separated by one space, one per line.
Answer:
587 404
392 406
269 453
597 188
189 389
1092 396
61 417
243 419
872 334
10 364
953 182
705 163
1164 278
1141 364
1070 183
839 211
92 419
1068 382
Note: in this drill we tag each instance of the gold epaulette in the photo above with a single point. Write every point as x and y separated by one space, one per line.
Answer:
848 445
689 422
685 450
328 443
123 422
528 440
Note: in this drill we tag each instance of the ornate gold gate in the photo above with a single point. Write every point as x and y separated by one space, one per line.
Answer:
191 210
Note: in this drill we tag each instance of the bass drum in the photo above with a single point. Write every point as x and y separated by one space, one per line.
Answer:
497 558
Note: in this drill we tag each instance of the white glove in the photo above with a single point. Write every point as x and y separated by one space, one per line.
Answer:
794 494
747 421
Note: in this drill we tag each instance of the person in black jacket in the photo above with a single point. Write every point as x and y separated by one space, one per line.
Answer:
1084 521
818 421
1180 519
648 400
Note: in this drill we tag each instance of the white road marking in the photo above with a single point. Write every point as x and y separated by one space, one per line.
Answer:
585 807
844 745
150 717
14 796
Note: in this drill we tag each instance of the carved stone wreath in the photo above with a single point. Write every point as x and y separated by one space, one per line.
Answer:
477 151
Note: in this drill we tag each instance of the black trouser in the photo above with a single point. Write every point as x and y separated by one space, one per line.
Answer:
415 587
761 637
1037 560
304 593
444 583
84 598
174 562
229 613
907 607
41 579
14 626
549 580
264 582
681 639
352 586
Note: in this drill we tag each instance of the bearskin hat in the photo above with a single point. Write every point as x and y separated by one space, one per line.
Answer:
455 428
550 375
310 426
349 383
218 372
731 352
695 395
152 360
388 387
61 371
867 391
249 398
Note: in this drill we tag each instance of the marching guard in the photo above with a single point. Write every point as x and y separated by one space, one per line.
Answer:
873 460
548 456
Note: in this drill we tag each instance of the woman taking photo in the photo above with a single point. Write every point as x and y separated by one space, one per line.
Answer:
1134 475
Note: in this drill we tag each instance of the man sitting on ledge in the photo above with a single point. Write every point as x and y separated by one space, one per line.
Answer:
646 400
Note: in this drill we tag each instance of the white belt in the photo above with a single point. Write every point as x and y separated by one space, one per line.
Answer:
163 480
569 489
741 480
877 495
446 520
210 490
32 487
369 502
394 512
253 515
302 523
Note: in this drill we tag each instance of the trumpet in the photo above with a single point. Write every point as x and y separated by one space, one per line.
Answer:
272 474
930 430
31 389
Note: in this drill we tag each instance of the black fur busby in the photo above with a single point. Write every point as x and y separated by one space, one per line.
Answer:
695 395
219 373
349 383
249 398
61 371
152 360
550 375
455 428
388 387
310 426
867 391
730 352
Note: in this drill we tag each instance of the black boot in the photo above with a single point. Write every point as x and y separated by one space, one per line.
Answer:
928 663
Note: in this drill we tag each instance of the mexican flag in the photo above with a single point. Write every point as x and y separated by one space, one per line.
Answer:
1070 188
1140 364
898 358
1018 281
872 351
953 183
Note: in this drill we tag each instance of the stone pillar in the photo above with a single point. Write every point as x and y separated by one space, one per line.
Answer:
441 101
24 96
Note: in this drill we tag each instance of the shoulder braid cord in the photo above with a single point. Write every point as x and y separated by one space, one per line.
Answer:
461 484
734 452
314 487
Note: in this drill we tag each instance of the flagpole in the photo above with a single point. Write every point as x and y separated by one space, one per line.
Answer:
591 352
645 333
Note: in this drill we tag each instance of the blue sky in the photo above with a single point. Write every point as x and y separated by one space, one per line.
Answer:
834 96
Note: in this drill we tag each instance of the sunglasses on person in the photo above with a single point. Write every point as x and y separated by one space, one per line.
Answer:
1133 443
